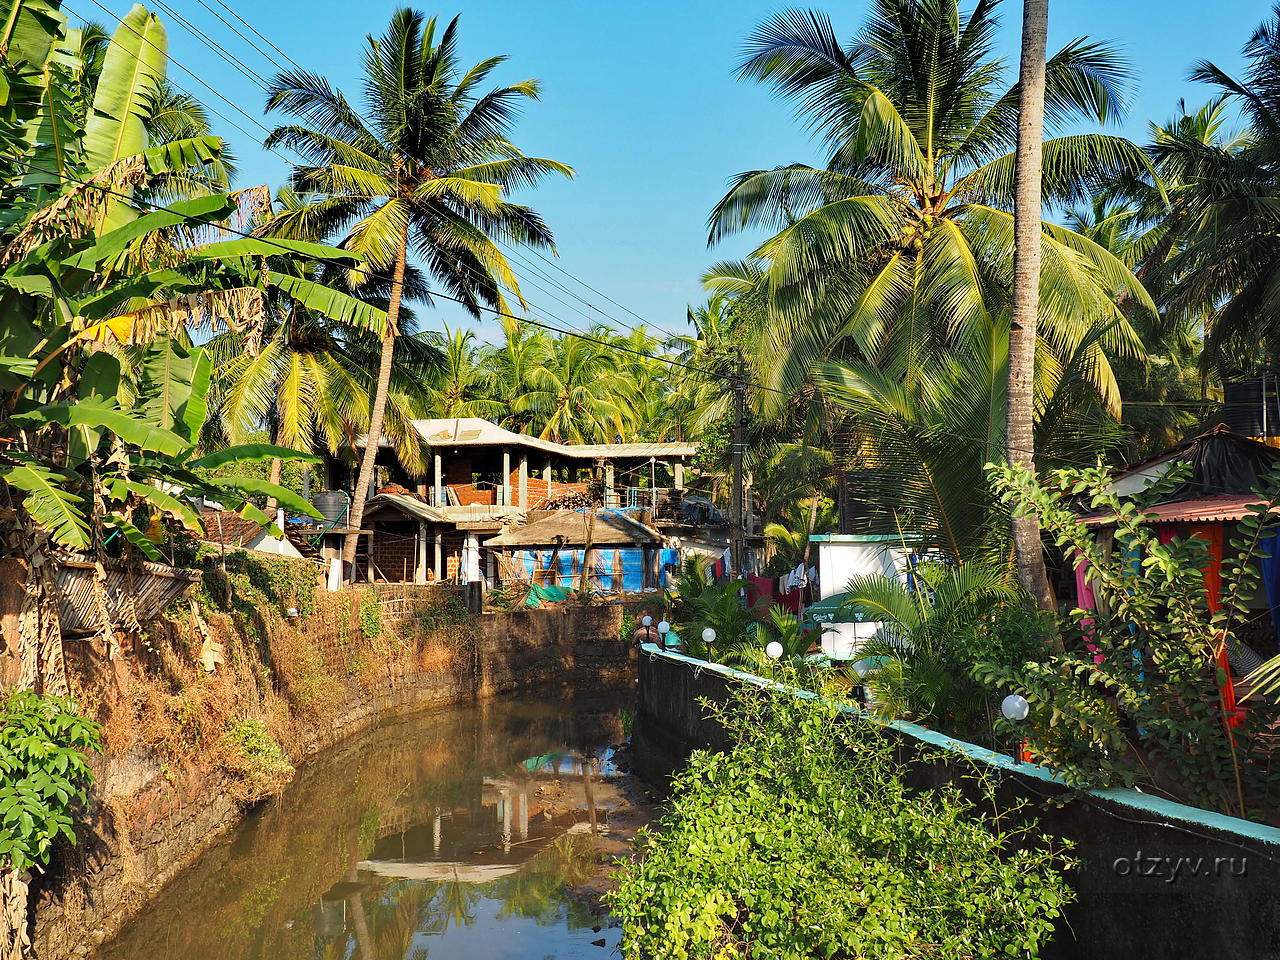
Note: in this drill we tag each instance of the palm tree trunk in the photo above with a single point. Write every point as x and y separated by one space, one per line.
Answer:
1027 219
277 467
374 436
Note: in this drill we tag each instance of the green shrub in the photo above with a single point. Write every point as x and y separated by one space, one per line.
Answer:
370 615
44 773
249 738
803 841
1133 699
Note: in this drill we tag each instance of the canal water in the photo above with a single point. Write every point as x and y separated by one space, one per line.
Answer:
454 835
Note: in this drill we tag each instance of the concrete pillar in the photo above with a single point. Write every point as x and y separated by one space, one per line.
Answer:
610 496
420 572
471 559
524 480
546 475
504 489
440 571
439 469
678 469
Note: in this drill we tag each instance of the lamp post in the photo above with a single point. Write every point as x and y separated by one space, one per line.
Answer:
709 637
1015 708
664 634
644 633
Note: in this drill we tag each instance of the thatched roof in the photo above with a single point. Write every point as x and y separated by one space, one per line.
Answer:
570 528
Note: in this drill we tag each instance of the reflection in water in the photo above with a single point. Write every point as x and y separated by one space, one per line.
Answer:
451 835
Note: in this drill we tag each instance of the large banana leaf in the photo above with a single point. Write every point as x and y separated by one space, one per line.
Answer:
49 502
248 452
131 72
92 413
254 486
179 155
111 244
331 303
136 537
253 247
30 28
174 384
176 507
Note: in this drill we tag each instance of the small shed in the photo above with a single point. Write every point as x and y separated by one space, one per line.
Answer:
408 540
619 551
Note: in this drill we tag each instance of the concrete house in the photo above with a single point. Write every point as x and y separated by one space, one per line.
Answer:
484 480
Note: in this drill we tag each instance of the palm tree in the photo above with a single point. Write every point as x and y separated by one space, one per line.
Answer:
1028 208
902 243
1217 262
429 168
465 389
920 445
524 349
579 394
919 672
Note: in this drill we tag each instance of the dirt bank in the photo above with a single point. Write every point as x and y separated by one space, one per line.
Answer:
189 752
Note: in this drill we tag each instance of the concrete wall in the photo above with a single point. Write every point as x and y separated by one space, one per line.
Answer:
1136 892
112 873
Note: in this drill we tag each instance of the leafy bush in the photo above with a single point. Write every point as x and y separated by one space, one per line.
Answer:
44 773
249 738
696 603
933 632
370 615
804 841
1134 699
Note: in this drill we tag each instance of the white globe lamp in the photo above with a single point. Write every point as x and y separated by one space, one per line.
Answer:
1015 707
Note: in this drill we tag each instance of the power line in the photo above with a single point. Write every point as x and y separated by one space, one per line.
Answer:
195 76
743 380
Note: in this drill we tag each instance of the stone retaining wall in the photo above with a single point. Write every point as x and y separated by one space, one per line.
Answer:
109 877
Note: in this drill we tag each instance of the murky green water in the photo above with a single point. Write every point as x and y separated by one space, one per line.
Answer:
451 836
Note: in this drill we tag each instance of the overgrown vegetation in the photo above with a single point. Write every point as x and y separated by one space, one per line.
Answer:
44 778
1138 697
803 841
44 774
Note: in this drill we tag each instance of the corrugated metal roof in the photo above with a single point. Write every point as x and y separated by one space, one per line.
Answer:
1199 510
410 505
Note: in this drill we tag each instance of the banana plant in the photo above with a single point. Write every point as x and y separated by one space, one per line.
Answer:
90 466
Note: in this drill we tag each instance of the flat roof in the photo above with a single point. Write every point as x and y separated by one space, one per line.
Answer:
477 432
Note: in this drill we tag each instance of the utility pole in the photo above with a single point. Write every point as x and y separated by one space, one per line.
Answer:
737 544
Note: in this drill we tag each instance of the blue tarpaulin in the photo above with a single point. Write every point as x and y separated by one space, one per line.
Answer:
613 570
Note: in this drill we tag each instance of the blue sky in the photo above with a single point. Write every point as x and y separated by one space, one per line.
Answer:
641 100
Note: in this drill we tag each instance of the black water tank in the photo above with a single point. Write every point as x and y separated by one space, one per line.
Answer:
330 502
1243 409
